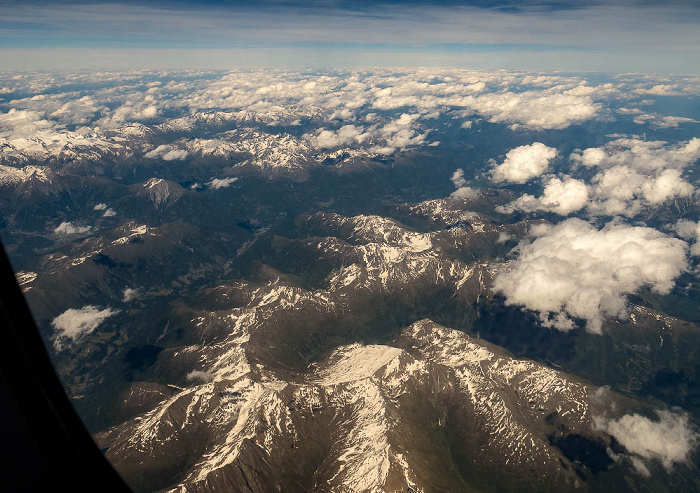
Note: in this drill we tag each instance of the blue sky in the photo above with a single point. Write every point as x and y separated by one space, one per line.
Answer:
584 35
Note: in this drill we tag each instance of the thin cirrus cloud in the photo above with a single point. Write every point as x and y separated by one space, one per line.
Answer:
537 35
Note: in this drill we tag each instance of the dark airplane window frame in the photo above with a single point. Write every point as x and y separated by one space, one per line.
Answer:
45 445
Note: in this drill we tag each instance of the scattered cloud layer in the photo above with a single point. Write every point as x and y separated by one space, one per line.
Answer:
573 270
74 324
132 114
381 137
380 111
634 174
630 175
640 155
654 120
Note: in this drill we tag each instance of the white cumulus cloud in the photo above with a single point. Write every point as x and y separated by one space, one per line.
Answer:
175 154
166 153
573 270
669 440
130 294
632 175
74 324
68 228
622 190
22 123
463 191
200 376
106 211
524 163
344 136
561 196
640 155
537 109
458 178
689 230
217 183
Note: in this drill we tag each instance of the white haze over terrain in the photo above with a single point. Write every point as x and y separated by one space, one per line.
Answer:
574 270
382 112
